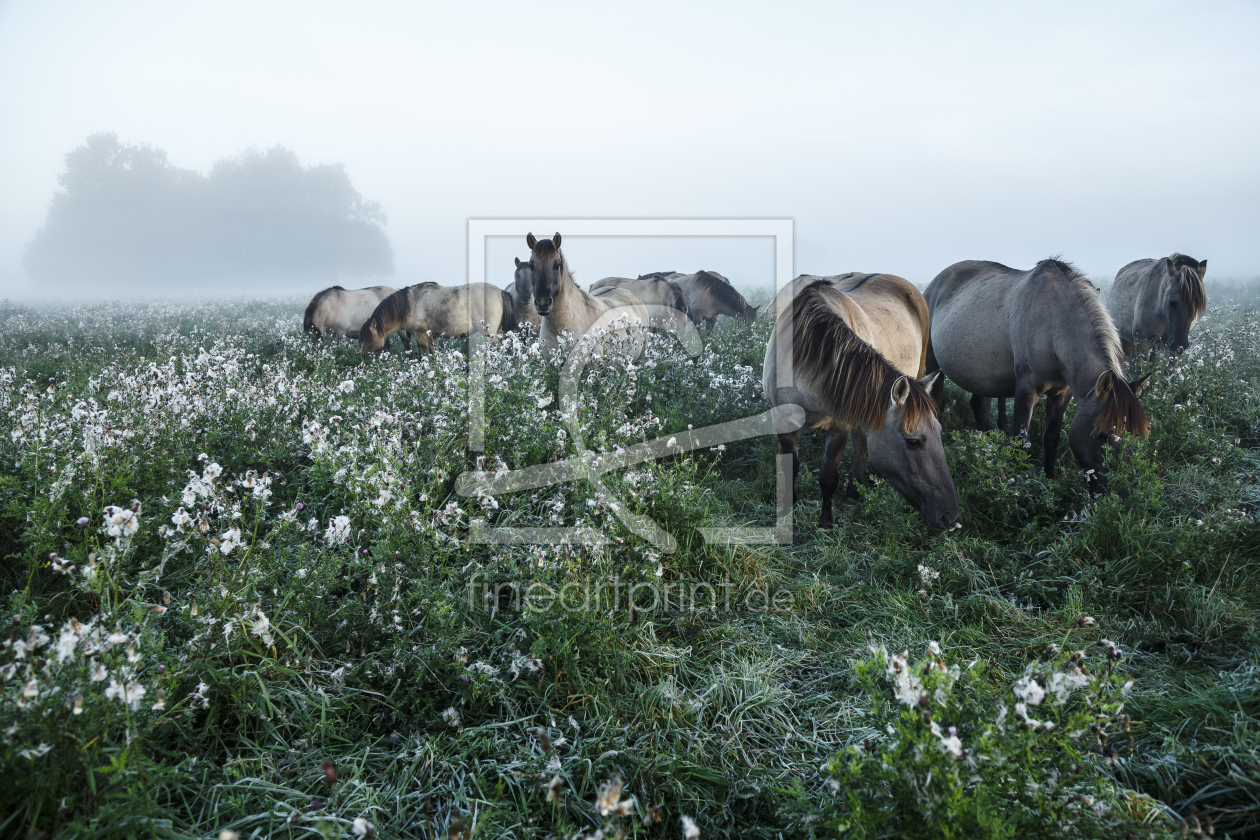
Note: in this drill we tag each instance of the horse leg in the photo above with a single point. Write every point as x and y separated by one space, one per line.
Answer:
857 473
1056 404
1026 397
405 337
789 444
829 475
982 407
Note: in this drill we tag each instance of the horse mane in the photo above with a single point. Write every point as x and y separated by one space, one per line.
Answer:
1103 328
394 308
853 379
509 321
308 319
657 275
1186 272
721 288
1122 412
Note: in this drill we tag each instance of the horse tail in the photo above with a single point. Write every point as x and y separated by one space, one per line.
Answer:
308 319
509 322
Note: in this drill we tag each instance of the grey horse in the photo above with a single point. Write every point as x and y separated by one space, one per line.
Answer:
657 291
855 344
522 294
708 295
1001 332
1158 301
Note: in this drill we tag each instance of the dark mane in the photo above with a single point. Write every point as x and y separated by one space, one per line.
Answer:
853 379
1186 271
1122 412
392 311
721 289
657 275
308 320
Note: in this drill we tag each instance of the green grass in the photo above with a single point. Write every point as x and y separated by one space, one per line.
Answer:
726 716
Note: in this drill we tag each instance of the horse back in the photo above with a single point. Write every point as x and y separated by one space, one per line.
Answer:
897 316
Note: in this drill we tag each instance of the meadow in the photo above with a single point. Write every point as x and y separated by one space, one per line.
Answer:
243 596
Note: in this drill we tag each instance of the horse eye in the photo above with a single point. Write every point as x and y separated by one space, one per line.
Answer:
1172 303
914 443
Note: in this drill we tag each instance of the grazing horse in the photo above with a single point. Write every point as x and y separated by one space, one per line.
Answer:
1001 332
656 291
566 308
342 312
856 352
708 295
425 308
522 294
1158 301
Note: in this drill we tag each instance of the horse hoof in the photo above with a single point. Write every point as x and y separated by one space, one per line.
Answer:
824 525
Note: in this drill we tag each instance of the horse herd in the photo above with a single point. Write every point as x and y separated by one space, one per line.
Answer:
868 354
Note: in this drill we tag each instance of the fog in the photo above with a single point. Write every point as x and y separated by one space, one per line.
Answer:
900 138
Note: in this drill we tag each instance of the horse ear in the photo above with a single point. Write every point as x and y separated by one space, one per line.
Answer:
900 391
1139 385
518 262
530 241
932 380
1168 263
555 240
1106 381
1202 269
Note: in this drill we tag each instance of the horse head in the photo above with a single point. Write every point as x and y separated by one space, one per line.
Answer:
1184 300
908 452
1108 411
546 264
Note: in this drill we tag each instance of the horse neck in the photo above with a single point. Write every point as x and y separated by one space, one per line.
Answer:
1083 357
569 305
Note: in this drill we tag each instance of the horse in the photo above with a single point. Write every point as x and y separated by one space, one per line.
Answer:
342 312
857 354
566 308
1001 332
1158 301
708 295
425 308
522 293
656 291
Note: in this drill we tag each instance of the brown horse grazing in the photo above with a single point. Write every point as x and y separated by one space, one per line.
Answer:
1158 301
427 308
522 294
856 353
708 295
1001 332
341 312
566 308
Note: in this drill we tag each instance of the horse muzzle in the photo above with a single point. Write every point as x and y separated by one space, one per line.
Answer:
542 307
938 518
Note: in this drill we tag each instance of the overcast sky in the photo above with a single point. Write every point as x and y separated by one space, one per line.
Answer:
900 137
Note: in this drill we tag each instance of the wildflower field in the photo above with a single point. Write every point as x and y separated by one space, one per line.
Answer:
241 594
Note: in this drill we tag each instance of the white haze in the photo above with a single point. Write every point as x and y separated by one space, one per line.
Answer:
899 137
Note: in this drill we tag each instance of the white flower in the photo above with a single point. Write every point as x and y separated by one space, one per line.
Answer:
120 522
229 540
338 529
362 828
35 752
346 386
66 643
928 575
1029 690
30 691
545 401
906 686
129 693
673 441
452 717
691 831
98 671
180 518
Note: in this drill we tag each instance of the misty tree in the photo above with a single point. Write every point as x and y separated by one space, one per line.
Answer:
128 218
